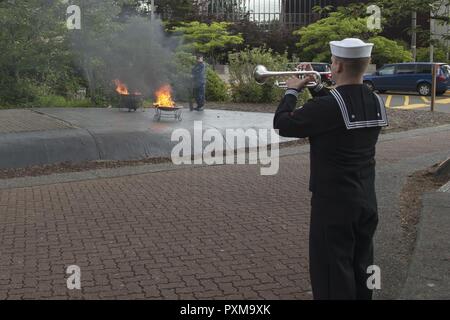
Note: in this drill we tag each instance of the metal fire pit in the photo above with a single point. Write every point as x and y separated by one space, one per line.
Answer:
168 112
131 101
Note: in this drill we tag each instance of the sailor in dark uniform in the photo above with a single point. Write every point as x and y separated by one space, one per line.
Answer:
343 125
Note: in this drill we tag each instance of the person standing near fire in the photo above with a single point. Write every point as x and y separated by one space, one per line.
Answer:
199 84
343 125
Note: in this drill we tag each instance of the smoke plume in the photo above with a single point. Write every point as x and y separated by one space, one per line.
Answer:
114 45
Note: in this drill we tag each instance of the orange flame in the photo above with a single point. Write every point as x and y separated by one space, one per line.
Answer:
121 88
164 97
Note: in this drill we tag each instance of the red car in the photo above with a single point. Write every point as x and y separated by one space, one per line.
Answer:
325 71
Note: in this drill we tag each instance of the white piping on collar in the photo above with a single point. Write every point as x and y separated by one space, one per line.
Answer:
360 124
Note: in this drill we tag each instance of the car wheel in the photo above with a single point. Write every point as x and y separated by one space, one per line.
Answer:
369 84
424 89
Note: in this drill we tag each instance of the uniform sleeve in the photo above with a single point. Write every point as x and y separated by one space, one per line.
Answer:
319 91
315 117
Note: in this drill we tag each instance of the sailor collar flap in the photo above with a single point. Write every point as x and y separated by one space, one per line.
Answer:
355 118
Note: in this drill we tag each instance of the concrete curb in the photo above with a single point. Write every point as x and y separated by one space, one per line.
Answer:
22 182
105 149
444 168
44 147
24 149
445 187
77 145
103 134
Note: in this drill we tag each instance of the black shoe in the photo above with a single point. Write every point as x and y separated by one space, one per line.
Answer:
191 106
199 109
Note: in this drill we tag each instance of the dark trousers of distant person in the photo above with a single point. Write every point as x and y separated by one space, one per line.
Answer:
341 248
199 95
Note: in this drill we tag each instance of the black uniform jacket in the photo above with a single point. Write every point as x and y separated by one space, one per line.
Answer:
343 126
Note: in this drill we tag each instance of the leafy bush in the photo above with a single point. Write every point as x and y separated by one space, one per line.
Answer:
181 80
243 86
51 101
21 92
440 54
216 88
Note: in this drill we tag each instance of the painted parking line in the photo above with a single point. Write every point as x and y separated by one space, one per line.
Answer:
443 101
396 100
412 106
388 101
427 104
413 101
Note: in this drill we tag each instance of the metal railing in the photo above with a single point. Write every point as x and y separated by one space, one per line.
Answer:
290 13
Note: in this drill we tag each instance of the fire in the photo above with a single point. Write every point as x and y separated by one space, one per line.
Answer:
121 88
164 97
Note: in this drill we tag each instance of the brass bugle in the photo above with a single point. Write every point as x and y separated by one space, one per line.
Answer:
261 75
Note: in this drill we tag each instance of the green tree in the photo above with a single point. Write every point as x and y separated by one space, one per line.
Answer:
315 38
323 11
388 51
213 40
256 35
395 10
176 11
35 59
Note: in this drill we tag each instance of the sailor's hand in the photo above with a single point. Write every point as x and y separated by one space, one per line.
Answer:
299 84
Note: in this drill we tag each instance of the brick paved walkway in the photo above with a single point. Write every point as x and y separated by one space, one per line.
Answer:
211 232
201 233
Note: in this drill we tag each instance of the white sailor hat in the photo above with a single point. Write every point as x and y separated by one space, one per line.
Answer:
351 48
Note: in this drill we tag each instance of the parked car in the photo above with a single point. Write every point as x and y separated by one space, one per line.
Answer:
409 77
325 72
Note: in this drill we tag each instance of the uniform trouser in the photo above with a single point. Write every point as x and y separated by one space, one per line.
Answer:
199 95
341 248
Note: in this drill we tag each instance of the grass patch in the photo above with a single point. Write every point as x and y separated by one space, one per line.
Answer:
54 101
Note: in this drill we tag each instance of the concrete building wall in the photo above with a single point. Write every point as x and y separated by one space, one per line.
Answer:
441 30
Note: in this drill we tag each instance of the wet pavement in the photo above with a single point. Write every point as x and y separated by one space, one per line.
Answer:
55 135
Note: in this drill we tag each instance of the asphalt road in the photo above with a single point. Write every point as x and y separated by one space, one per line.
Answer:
414 101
